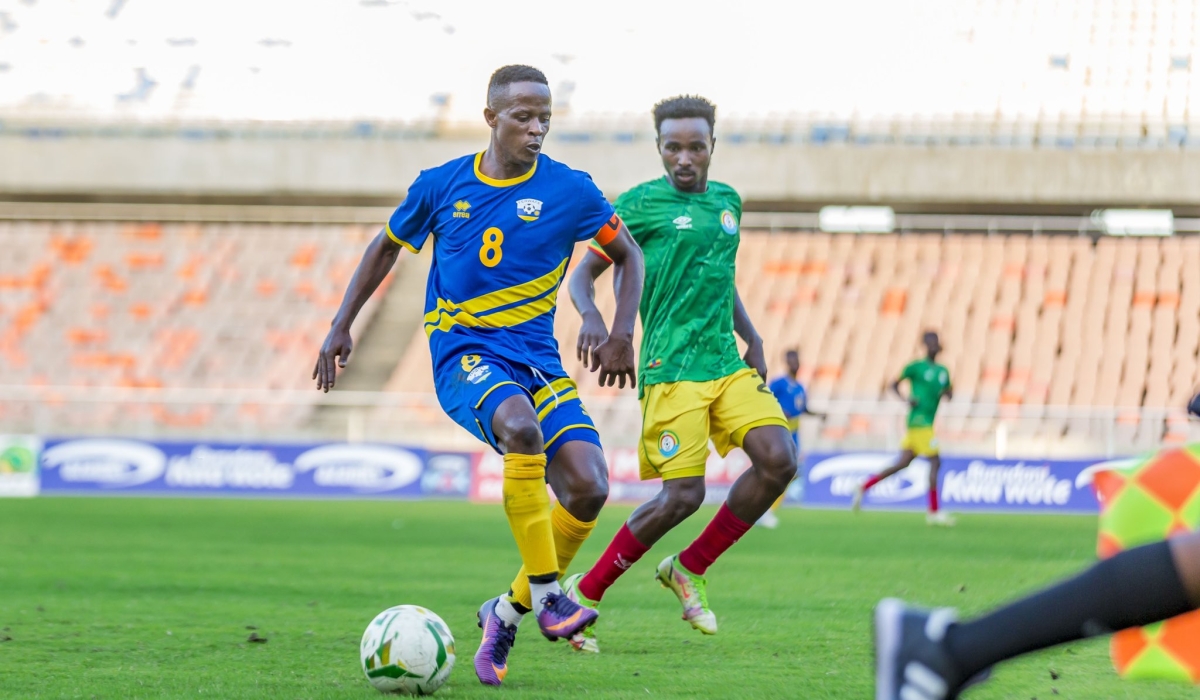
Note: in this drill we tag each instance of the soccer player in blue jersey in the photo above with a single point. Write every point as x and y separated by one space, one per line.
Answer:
504 224
793 399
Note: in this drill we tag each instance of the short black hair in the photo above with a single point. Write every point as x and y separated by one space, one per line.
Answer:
516 73
684 107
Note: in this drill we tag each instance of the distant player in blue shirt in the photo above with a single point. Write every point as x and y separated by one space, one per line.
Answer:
504 223
793 399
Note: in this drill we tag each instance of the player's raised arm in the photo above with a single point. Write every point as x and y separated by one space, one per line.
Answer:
408 227
582 287
613 357
379 258
755 357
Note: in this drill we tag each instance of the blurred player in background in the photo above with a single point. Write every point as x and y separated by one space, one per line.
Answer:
505 222
694 384
793 399
928 655
928 382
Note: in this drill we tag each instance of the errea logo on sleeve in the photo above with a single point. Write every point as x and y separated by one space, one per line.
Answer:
529 209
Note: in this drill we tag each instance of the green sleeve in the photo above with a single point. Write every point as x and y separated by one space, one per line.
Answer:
907 372
629 207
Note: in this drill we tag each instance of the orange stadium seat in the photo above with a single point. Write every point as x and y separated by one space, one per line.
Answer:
1028 322
106 304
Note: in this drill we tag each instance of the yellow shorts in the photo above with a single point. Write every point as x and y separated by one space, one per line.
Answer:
679 418
921 441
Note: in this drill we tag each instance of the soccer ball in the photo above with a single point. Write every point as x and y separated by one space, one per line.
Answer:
407 649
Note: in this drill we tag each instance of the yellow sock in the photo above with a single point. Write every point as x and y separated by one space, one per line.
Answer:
778 501
527 506
569 535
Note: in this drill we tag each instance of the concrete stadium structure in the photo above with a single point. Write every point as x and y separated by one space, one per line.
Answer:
783 176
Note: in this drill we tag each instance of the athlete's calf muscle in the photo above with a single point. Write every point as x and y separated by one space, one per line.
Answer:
678 500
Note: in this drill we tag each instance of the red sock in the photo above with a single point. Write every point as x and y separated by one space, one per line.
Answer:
718 536
933 500
621 554
874 479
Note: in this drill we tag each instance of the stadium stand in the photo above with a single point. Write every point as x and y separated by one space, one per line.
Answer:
163 306
1049 327
1057 336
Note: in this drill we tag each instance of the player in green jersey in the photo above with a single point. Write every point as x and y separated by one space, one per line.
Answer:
928 382
694 384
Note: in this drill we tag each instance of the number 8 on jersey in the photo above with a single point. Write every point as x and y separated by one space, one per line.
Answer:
491 252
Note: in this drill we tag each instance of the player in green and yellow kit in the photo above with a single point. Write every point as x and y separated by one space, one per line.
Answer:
695 385
928 382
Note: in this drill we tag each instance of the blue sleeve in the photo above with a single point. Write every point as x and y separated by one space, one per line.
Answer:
801 399
410 224
594 209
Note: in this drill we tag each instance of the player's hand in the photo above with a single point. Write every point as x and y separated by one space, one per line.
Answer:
614 360
337 345
592 335
756 358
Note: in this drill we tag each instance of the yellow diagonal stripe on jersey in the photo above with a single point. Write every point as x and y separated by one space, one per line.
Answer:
474 313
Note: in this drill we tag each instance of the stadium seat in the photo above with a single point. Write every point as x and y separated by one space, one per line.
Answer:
168 306
1033 326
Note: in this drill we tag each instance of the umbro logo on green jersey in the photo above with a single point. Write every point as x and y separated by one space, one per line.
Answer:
682 222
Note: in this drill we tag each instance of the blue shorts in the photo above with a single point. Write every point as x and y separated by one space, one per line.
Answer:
471 391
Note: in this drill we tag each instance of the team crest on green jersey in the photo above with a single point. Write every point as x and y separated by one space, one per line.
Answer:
729 222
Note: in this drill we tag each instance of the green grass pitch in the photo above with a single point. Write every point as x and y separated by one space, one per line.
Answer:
148 598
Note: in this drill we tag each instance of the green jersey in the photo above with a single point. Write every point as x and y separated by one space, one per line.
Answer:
927 381
690 244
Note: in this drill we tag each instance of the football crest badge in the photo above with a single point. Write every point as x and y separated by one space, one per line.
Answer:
529 209
729 222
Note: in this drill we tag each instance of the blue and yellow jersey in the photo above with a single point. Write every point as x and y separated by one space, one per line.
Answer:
792 397
500 250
